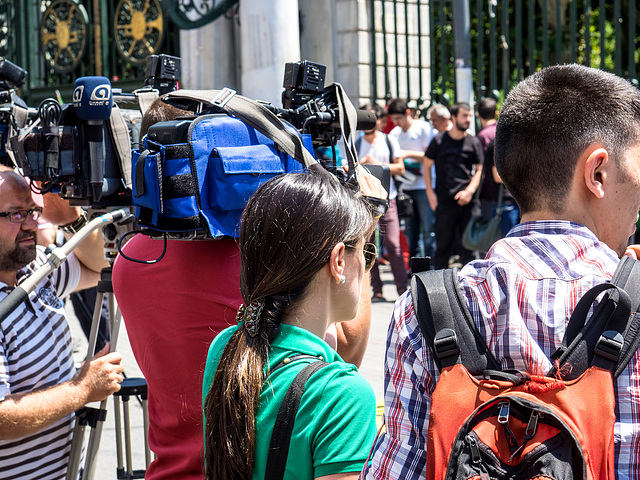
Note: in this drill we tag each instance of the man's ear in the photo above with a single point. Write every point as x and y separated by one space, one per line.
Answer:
596 168
336 261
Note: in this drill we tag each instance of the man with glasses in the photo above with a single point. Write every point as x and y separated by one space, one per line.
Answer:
39 388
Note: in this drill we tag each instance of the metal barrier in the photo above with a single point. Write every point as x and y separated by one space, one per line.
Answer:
510 40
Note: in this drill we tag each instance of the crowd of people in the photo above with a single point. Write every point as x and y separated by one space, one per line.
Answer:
446 171
237 337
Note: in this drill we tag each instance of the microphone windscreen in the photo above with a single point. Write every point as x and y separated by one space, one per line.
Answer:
365 120
92 98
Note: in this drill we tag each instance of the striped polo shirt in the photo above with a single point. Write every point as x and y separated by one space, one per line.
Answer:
35 353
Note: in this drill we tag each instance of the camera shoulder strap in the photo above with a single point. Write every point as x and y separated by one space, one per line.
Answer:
250 112
146 98
121 143
348 123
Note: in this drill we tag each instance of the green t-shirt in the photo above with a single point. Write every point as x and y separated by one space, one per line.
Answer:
335 424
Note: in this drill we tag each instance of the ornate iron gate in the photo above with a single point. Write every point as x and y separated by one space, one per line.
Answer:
57 41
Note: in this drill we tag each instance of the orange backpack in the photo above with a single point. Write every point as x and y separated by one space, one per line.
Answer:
490 424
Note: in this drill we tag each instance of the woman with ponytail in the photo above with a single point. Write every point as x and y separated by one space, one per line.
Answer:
303 260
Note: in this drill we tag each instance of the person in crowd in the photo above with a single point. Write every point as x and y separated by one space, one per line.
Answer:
510 210
39 387
490 188
414 137
414 109
458 157
440 117
376 148
173 309
487 112
567 147
303 259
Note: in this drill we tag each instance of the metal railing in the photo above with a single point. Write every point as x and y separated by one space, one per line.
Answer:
414 39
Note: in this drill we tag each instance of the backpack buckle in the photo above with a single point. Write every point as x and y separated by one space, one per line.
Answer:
445 343
610 345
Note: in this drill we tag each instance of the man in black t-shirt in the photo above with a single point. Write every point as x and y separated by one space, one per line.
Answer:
458 158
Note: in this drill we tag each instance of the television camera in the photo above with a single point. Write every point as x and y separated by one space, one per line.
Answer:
82 150
13 111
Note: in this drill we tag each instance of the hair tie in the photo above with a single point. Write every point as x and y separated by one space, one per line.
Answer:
251 316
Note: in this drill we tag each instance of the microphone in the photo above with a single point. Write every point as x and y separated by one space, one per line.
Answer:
365 120
93 101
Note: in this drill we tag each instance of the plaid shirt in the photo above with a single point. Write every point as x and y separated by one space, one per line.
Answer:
520 298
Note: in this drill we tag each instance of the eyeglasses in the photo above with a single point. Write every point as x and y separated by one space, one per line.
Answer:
20 216
370 252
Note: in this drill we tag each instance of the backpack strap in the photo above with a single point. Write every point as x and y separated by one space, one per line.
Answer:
610 337
446 323
283 428
388 142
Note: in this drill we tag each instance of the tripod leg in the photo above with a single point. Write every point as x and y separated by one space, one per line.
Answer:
95 326
96 433
92 448
115 318
77 443
116 410
76 450
127 435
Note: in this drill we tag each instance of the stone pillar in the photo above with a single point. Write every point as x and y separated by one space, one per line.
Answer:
317 33
209 56
269 38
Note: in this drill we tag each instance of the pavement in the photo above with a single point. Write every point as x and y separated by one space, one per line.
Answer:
106 461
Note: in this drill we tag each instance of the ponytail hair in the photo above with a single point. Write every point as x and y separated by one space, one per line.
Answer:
289 228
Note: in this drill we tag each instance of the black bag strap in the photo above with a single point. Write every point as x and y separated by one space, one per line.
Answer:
283 428
446 323
610 337
388 142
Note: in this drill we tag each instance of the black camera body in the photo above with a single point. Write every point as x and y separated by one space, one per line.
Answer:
11 77
60 151
163 73
308 105
65 168
56 152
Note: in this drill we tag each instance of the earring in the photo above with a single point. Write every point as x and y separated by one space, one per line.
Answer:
342 279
